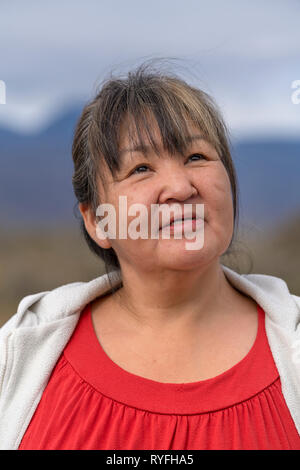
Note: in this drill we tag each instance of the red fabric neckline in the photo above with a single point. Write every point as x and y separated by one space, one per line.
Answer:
256 371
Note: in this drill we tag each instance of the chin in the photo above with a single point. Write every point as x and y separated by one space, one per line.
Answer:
179 258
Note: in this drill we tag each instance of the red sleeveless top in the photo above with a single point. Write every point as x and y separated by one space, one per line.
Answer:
90 403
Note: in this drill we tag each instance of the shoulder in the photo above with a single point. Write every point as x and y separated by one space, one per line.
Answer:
272 294
57 304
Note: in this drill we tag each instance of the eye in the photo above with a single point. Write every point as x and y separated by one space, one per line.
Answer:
200 155
135 170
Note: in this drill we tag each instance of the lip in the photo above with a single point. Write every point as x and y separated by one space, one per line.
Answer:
181 218
187 224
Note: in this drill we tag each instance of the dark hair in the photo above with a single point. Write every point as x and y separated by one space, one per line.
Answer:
172 102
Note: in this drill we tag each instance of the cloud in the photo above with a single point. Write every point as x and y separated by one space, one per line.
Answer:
55 52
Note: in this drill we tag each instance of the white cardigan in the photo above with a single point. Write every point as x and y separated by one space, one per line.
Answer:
33 339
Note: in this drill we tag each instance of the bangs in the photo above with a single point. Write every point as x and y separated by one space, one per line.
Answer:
169 106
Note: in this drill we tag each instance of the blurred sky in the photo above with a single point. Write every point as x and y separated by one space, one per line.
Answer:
245 53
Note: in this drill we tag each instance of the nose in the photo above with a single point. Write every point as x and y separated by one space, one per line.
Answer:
177 186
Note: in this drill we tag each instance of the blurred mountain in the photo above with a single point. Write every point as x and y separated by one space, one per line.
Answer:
268 175
36 172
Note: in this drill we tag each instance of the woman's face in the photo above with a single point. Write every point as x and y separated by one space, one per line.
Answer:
196 177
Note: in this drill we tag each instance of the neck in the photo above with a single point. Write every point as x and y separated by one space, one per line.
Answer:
177 298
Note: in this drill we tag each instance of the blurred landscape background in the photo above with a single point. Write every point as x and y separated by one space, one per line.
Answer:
246 61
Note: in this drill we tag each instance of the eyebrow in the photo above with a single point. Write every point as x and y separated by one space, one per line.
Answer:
145 148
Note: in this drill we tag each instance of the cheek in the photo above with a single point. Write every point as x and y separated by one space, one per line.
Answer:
122 202
218 194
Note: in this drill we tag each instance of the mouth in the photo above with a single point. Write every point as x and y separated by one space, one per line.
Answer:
178 221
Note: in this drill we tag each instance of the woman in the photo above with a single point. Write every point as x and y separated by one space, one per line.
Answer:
170 349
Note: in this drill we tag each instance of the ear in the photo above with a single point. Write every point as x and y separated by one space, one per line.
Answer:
90 223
